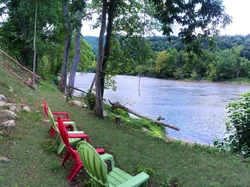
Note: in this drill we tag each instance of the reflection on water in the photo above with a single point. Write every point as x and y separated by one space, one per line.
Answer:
198 108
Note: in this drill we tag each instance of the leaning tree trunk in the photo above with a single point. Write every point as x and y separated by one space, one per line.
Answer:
118 105
99 97
107 44
77 52
67 44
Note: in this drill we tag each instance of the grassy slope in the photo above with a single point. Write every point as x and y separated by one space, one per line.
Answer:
32 166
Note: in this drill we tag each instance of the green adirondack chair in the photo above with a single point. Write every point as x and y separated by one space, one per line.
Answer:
96 167
72 141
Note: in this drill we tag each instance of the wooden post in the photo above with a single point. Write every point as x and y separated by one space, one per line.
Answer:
118 119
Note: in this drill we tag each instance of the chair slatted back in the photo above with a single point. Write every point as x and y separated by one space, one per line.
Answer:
51 119
45 107
64 135
93 163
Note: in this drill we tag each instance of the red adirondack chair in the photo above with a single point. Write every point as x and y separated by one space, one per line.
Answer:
71 152
56 114
64 114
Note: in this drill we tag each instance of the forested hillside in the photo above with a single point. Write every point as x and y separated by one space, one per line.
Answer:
159 43
222 58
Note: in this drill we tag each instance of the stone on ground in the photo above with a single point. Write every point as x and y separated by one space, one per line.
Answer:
10 89
13 107
27 109
77 103
4 159
9 123
2 98
105 114
2 103
8 114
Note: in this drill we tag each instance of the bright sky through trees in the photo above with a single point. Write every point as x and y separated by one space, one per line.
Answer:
238 9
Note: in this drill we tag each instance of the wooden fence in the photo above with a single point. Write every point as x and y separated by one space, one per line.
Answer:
16 69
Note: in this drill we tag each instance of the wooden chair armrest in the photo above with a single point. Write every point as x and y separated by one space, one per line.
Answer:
136 180
108 157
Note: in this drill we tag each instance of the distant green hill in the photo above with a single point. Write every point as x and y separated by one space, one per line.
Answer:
159 43
93 41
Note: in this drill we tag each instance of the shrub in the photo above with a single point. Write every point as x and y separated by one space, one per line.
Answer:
90 100
172 182
147 170
237 127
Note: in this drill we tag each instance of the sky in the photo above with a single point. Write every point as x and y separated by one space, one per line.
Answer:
239 10
240 13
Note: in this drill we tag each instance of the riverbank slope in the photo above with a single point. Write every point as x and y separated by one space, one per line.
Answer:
33 162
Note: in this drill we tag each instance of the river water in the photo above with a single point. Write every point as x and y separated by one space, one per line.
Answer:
197 108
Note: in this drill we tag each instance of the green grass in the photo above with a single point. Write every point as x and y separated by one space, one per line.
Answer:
34 163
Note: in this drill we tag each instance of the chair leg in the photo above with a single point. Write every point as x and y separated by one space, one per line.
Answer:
67 155
51 128
52 132
60 148
74 171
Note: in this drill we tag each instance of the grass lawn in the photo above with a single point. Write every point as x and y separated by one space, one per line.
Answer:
33 162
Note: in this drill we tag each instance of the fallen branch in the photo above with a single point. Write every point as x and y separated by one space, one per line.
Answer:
118 105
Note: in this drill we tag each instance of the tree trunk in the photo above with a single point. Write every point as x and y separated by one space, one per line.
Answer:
64 69
34 45
99 97
67 44
118 105
77 52
92 84
107 44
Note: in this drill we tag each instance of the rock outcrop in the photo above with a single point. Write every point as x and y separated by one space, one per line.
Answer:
77 103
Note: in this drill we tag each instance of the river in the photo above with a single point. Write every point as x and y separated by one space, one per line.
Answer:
197 108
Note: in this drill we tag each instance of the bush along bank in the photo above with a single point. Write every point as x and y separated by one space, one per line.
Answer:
146 126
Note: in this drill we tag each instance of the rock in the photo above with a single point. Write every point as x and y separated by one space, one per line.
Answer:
105 114
77 103
9 123
13 107
10 89
145 129
4 159
2 98
8 114
27 109
2 103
